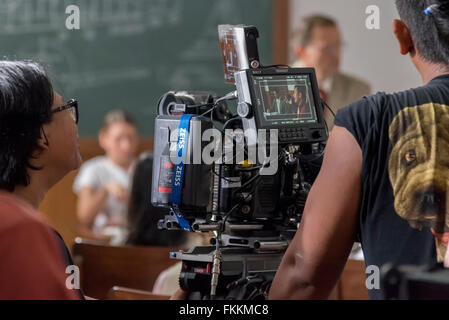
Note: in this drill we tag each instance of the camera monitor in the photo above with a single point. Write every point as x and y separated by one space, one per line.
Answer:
286 99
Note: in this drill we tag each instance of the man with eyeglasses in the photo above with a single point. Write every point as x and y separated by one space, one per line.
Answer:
317 43
38 147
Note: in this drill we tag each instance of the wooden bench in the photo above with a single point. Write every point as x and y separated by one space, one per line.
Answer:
129 273
102 266
122 293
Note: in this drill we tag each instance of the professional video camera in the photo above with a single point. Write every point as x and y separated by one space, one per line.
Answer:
242 175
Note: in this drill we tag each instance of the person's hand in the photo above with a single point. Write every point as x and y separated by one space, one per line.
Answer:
179 295
117 191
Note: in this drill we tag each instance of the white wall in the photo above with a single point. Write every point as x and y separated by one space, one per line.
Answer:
369 54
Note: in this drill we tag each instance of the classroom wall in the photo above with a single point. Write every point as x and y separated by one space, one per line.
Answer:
127 53
369 54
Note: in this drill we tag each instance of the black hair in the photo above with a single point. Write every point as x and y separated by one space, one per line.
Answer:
143 217
429 28
26 97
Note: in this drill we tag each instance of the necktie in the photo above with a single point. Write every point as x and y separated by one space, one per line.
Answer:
324 96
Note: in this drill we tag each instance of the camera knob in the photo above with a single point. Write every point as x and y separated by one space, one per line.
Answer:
244 110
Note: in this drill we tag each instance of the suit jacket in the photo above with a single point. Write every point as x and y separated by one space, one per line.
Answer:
345 90
281 108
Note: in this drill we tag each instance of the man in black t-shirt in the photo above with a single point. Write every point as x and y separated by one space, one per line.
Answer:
384 179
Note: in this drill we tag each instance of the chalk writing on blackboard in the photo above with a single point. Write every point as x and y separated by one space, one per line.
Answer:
37 16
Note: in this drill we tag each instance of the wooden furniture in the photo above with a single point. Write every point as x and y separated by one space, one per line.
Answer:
129 273
102 266
122 293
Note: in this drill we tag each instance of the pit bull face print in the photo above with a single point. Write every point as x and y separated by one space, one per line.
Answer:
419 169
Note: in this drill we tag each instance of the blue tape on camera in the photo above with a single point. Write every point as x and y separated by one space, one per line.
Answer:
178 173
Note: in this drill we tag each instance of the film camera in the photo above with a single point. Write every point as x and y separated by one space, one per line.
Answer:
244 175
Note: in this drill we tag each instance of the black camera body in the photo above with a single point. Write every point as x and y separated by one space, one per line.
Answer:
244 176
412 282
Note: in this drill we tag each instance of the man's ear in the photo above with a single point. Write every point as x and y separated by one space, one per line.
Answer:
42 145
404 37
299 51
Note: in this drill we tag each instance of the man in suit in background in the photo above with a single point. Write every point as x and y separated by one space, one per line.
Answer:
278 102
317 44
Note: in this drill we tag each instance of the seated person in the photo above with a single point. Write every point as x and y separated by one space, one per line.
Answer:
103 182
38 147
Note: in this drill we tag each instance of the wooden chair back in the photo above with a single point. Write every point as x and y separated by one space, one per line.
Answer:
103 267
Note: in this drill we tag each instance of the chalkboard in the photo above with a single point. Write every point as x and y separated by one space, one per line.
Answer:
127 53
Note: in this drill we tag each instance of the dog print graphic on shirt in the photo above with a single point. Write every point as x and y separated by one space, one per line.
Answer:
419 169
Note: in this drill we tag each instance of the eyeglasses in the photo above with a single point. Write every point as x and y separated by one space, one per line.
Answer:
72 105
